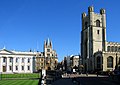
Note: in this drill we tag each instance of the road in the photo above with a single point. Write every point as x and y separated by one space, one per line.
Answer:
86 80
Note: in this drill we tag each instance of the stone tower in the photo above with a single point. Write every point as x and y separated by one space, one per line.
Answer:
93 36
50 55
48 48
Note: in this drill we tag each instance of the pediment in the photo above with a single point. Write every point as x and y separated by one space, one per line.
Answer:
4 51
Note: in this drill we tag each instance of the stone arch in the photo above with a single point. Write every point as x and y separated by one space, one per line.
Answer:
119 48
108 48
116 48
110 62
97 23
112 48
98 62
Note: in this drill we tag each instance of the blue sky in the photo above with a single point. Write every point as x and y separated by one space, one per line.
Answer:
25 24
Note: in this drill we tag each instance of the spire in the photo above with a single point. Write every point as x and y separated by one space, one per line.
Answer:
48 42
4 47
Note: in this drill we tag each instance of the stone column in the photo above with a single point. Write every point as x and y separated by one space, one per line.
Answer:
25 64
19 66
7 64
13 64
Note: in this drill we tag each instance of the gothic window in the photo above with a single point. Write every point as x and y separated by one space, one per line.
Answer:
116 49
110 62
48 55
108 48
98 62
119 60
97 23
112 48
119 49
86 25
48 50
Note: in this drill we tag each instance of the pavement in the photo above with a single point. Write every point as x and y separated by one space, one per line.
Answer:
90 79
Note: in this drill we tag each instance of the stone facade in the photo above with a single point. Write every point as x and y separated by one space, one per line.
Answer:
47 59
96 52
28 62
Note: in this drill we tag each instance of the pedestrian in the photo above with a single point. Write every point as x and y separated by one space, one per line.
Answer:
97 73
86 73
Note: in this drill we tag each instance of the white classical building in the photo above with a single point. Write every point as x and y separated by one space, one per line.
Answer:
17 62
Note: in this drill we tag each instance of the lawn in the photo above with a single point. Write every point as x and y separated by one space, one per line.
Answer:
20 79
19 82
20 76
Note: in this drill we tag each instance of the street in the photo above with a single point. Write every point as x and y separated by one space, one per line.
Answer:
86 80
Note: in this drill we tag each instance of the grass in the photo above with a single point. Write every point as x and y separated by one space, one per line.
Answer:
19 76
20 79
19 82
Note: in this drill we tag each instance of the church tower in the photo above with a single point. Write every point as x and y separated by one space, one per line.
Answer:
93 36
48 48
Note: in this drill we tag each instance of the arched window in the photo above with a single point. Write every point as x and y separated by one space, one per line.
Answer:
108 48
110 62
119 49
86 25
98 62
112 48
116 49
119 60
97 23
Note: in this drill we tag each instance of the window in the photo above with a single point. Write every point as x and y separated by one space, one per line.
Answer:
119 61
108 48
98 31
48 50
11 59
41 59
86 25
28 67
98 62
41 64
97 23
48 55
22 60
119 49
10 68
16 60
110 62
16 67
112 48
28 60
116 49
22 67
4 59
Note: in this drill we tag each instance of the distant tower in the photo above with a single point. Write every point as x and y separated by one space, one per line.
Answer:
48 48
93 36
